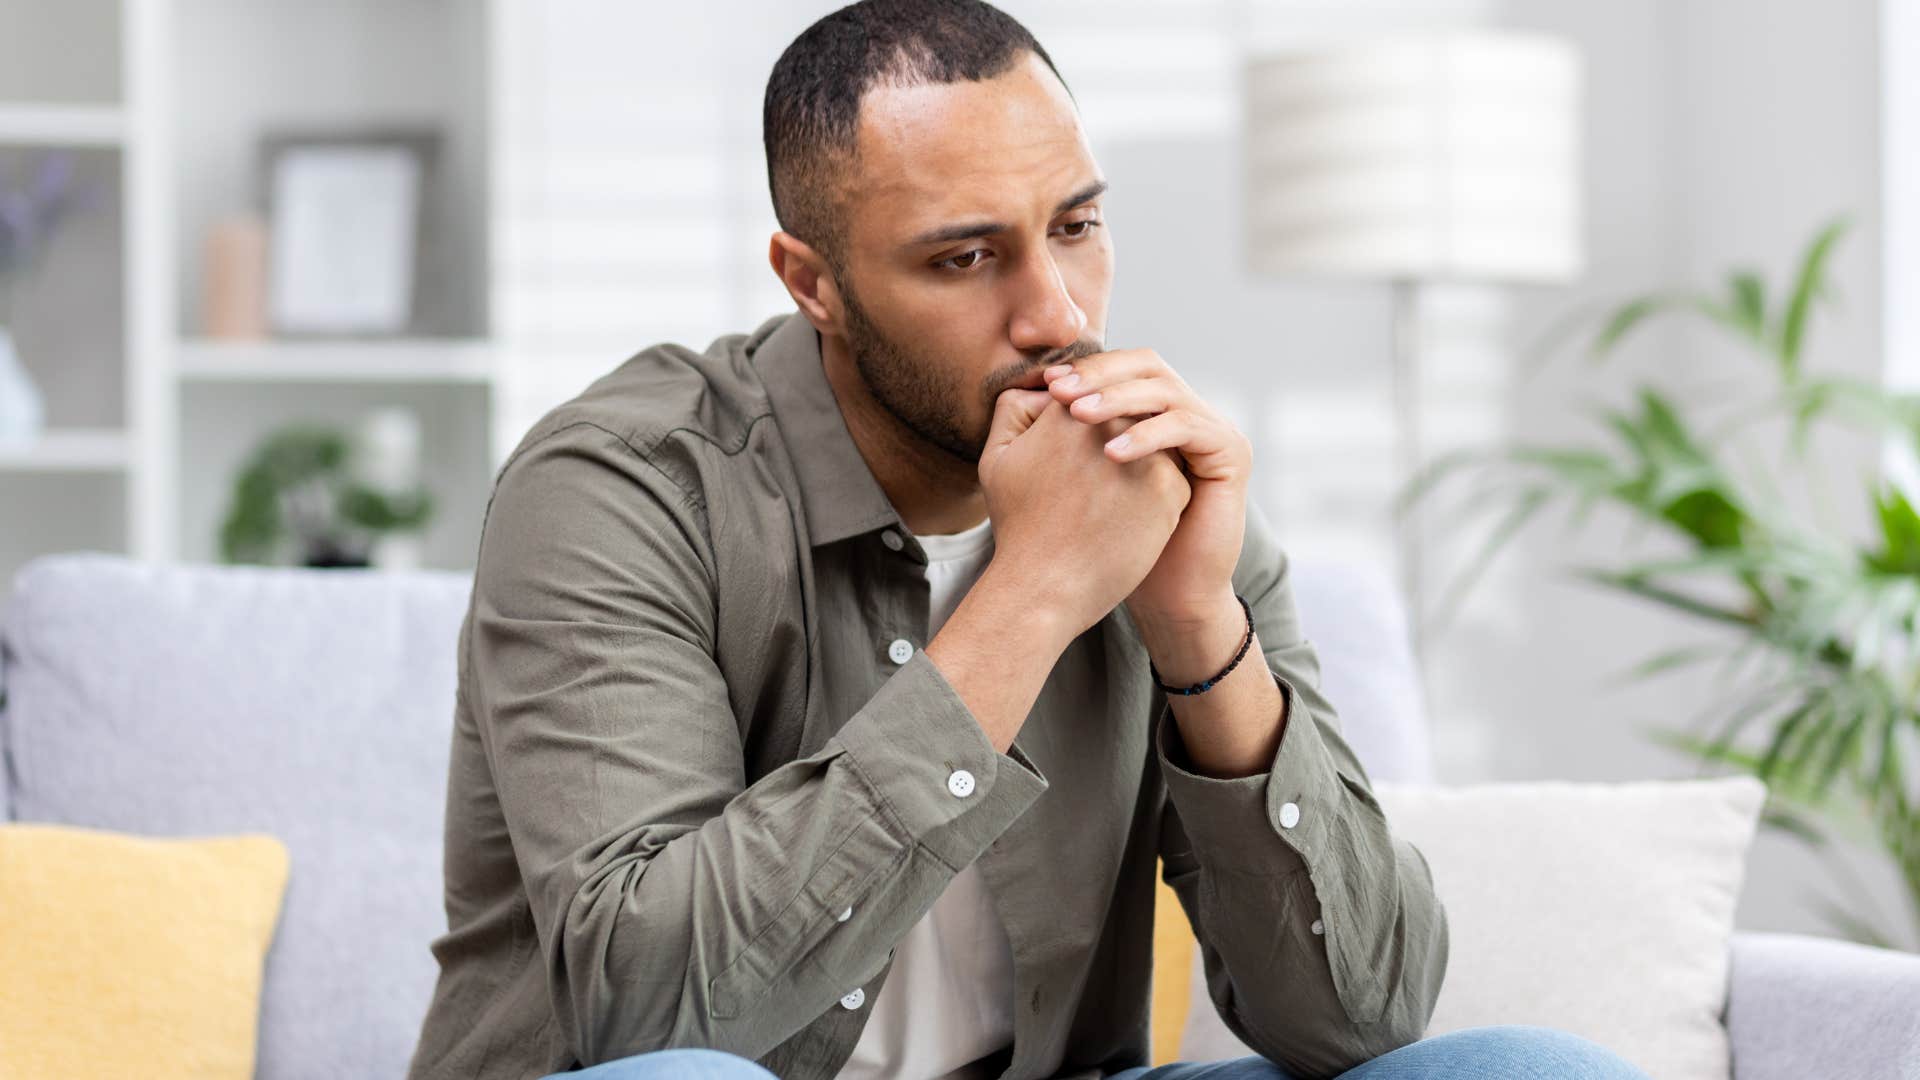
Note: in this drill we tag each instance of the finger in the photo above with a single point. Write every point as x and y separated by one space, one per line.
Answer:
1109 428
1134 397
1014 411
1213 449
1103 369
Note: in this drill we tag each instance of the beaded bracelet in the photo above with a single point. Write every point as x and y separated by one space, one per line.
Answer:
1203 687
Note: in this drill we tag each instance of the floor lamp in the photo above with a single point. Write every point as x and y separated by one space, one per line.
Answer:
1448 156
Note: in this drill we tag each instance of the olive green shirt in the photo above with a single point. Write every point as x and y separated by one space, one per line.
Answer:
704 777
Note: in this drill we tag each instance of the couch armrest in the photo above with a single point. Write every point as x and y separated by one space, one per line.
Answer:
1801 1006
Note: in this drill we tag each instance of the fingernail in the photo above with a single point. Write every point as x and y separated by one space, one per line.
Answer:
1057 369
1090 401
1119 442
1070 381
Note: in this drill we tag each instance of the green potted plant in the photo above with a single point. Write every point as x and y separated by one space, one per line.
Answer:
1827 710
300 491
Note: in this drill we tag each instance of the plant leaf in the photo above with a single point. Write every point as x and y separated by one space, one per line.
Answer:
1666 660
1632 314
1505 529
1748 310
1631 583
1791 335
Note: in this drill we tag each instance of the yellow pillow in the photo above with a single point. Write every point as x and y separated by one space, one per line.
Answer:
1173 945
127 955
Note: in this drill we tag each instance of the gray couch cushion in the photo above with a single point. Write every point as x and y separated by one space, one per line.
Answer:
1351 611
1803 1006
6 759
313 705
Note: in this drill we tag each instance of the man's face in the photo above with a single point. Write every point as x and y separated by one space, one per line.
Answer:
975 250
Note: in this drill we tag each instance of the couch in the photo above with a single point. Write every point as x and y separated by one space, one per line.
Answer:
315 705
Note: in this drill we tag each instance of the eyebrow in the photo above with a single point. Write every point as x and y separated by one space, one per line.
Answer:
947 234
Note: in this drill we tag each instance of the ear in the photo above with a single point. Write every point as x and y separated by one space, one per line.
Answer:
809 280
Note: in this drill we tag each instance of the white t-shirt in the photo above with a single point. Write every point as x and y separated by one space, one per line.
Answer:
948 1000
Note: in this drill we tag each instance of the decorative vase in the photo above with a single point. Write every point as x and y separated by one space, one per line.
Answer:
22 410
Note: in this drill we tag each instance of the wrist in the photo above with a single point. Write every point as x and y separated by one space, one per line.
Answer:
1028 614
1195 645
997 652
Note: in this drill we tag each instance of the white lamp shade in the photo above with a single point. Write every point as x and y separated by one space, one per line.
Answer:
1451 155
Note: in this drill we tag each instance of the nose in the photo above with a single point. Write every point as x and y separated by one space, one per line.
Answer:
1045 316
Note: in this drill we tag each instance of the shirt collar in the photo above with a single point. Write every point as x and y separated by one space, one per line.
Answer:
840 495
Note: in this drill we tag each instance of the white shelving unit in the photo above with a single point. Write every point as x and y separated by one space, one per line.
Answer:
68 450
413 360
85 480
62 125
148 421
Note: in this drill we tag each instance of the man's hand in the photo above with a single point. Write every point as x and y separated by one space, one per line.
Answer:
1073 532
1075 529
1194 574
1184 607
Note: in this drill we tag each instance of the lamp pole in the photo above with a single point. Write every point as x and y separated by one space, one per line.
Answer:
1406 416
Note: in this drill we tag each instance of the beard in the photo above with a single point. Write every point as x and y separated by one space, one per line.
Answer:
923 392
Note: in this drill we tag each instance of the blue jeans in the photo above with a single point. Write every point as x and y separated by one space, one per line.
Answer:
671 1065
1496 1052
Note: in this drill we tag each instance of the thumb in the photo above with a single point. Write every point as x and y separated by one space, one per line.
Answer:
1014 411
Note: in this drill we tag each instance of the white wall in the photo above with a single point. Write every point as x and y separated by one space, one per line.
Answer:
69 56
1900 214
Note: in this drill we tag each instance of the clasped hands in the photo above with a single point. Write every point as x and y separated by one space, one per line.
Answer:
1129 405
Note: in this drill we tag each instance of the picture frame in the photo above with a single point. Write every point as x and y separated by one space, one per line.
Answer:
345 215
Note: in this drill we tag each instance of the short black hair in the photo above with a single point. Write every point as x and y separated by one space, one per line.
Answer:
810 119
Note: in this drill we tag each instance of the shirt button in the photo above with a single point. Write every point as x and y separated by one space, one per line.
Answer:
892 540
1319 927
900 651
854 1000
960 782
1289 815
845 915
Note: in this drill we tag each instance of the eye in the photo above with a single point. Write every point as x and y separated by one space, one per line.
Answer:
966 260
1079 230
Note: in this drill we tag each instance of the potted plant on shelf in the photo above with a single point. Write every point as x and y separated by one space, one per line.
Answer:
28 215
1829 713
312 488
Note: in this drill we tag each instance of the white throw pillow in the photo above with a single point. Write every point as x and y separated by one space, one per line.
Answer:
1604 909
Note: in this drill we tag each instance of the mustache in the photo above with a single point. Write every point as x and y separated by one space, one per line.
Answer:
1080 348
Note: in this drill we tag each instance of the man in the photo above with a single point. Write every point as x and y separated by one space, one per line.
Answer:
826 698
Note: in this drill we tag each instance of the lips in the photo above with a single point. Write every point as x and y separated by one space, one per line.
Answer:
1035 381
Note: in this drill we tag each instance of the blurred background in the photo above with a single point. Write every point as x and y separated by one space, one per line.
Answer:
283 283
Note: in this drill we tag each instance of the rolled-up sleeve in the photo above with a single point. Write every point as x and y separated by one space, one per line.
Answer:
1323 940
675 904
